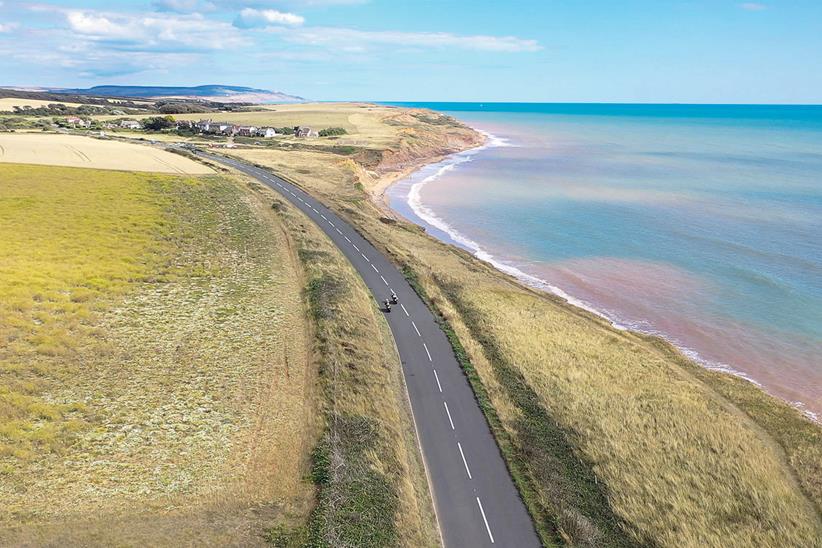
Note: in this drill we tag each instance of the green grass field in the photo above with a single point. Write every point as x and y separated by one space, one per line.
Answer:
155 380
67 244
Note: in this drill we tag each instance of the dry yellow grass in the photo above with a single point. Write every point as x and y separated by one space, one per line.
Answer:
614 438
76 151
7 104
155 386
635 417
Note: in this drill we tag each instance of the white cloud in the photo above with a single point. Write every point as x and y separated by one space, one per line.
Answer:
101 26
250 17
7 27
153 32
360 39
753 6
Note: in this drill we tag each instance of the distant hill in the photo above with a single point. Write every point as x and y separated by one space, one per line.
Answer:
219 93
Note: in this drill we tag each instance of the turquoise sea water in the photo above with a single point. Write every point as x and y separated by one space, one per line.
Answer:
700 223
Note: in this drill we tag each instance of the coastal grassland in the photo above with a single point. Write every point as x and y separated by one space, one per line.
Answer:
372 489
613 438
155 380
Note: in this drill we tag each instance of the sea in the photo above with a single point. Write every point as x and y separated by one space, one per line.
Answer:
701 224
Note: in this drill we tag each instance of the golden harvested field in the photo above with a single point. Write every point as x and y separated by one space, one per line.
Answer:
155 380
7 104
77 151
613 438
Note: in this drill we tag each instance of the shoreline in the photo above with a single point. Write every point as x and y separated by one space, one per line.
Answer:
442 165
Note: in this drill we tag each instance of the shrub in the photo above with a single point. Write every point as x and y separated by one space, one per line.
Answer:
328 132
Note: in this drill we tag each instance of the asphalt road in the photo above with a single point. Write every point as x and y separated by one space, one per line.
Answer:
475 498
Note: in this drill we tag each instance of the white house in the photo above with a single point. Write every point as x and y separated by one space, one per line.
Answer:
130 124
267 132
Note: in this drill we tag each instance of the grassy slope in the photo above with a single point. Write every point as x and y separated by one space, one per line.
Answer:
372 486
133 407
613 438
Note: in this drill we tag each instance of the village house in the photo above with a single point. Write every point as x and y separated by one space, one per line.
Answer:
185 124
303 132
224 128
246 131
130 124
220 128
77 122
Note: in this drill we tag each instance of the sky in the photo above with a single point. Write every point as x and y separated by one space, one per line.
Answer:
651 51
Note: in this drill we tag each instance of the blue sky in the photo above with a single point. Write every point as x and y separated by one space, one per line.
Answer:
432 50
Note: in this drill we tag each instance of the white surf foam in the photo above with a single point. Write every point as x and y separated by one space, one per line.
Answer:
426 214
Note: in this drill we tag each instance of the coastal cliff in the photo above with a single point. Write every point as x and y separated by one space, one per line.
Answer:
613 438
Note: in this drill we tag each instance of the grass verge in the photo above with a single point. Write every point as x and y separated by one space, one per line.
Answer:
372 489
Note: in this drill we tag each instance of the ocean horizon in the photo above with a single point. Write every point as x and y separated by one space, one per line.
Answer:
696 223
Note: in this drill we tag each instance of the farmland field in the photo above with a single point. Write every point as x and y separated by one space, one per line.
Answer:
7 104
76 151
155 380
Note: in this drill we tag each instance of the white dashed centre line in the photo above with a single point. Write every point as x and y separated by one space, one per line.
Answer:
375 269
415 328
347 239
355 247
438 380
338 230
332 224
447 412
324 217
427 352
487 528
363 256
465 462
403 309
384 280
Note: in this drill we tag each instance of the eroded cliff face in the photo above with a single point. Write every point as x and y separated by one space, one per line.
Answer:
422 137
426 136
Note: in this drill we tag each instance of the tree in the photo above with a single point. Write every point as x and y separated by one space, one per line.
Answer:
159 123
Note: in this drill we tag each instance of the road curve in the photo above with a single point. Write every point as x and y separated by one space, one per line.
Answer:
474 496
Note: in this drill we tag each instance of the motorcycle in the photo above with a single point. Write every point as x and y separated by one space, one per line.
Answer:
387 305
394 299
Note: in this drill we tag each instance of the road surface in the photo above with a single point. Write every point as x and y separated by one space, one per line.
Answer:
474 496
